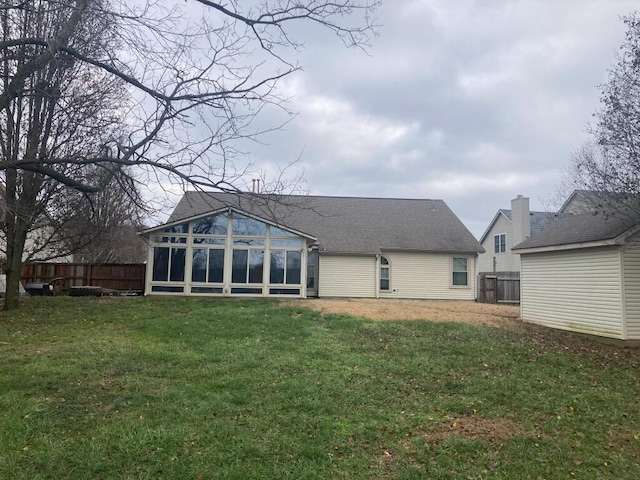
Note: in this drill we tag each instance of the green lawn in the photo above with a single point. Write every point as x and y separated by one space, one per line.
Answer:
147 388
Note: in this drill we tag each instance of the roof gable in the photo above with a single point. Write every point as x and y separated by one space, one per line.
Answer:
500 213
218 211
582 201
590 201
345 224
538 221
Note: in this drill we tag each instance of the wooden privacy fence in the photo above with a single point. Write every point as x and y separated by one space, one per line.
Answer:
123 277
499 287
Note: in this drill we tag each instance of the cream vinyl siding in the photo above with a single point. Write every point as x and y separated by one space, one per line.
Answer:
428 276
577 290
347 276
505 262
632 290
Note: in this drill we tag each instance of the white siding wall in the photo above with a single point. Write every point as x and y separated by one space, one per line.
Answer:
427 276
505 262
632 290
35 240
347 276
577 290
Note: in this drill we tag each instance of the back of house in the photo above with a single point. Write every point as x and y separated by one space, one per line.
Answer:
245 244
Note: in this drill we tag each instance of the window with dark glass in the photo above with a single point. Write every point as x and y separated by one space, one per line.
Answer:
209 241
256 266
500 243
199 265
176 273
285 267
384 273
294 263
168 264
243 225
247 266
207 265
311 270
215 225
248 241
182 228
239 266
216 266
160 264
276 267
170 239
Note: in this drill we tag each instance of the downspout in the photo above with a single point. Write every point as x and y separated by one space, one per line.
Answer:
148 274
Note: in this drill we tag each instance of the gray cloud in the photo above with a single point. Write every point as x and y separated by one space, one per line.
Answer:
470 101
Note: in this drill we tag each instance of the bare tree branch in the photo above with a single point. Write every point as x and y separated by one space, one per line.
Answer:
110 94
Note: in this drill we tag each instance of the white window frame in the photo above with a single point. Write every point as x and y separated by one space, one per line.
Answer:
502 246
386 266
273 239
453 272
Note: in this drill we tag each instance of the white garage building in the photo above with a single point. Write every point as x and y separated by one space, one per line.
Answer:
582 274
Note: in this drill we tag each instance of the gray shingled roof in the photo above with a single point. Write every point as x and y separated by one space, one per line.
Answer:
347 224
539 220
585 228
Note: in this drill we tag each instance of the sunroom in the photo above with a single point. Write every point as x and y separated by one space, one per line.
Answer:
228 252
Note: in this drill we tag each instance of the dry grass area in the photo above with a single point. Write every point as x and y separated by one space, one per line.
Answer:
502 316
484 314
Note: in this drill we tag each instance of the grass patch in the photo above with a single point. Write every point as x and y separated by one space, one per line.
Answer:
150 388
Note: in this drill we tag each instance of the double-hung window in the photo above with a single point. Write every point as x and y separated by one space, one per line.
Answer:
460 270
500 243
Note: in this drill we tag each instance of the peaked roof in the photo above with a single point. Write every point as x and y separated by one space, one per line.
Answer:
586 201
345 224
585 230
539 220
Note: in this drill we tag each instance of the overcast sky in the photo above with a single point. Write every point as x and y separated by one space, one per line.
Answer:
469 101
473 102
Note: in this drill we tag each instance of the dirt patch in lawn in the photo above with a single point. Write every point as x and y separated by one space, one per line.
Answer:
502 316
492 430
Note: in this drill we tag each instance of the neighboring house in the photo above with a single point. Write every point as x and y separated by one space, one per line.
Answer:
586 201
303 246
39 246
507 229
41 243
582 273
116 244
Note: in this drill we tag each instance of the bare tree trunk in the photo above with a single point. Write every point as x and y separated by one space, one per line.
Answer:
16 236
15 246
17 222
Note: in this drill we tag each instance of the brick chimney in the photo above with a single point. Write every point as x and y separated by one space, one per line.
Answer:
520 219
